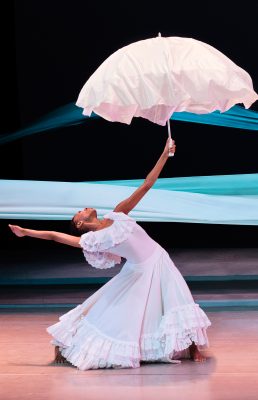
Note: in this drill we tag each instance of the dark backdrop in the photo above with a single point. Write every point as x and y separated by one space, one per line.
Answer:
49 50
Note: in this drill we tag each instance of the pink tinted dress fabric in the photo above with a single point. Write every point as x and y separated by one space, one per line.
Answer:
145 313
156 77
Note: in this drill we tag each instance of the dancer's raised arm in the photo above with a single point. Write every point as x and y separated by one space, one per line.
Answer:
47 235
128 204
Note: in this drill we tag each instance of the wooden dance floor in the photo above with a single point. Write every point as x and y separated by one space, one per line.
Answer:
230 372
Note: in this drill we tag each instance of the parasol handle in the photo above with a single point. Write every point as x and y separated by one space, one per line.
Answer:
170 154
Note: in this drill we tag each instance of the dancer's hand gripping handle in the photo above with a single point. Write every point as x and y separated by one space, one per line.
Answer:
170 151
170 147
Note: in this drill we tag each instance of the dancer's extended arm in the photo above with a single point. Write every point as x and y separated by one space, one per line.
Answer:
47 235
128 204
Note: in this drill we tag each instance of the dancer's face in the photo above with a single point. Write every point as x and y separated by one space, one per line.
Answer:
85 218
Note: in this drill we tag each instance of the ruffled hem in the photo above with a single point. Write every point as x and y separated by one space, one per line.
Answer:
95 243
179 327
189 322
93 349
84 346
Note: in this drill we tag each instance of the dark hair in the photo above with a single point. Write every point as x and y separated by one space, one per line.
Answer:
74 230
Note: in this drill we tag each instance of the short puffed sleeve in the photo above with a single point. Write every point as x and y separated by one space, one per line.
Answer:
95 244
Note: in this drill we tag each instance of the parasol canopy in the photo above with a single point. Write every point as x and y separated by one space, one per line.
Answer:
156 77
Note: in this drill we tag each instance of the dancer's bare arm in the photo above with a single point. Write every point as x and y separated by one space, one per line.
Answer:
128 204
47 235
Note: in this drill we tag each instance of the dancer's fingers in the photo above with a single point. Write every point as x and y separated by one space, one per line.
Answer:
172 149
11 227
17 230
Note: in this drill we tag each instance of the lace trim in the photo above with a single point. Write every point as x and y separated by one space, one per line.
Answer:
102 260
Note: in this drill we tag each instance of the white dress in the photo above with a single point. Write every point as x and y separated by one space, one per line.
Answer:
145 313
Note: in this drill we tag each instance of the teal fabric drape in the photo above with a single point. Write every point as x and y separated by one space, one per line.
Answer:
236 117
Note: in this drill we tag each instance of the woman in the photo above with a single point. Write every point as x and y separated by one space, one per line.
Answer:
145 313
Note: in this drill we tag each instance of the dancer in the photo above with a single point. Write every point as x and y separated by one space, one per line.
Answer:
145 313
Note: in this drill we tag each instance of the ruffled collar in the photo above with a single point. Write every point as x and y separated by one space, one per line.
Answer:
110 236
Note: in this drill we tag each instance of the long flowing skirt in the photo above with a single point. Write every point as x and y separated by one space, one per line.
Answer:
145 313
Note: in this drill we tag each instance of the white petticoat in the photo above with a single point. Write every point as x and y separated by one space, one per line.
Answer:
144 313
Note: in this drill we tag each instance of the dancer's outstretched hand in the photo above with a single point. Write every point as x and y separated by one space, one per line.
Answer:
17 230
168 149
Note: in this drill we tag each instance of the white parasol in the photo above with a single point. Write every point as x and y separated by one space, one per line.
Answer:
156 77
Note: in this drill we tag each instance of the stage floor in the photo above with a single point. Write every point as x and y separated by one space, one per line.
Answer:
230 372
